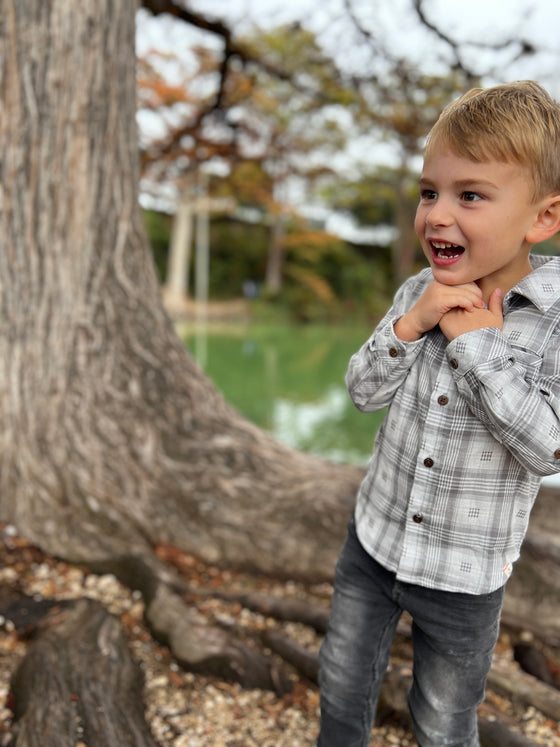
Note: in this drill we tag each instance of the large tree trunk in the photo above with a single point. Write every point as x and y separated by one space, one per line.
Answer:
112 438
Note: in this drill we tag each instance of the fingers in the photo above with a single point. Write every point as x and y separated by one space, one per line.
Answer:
469 296
464 297
495 302
456 322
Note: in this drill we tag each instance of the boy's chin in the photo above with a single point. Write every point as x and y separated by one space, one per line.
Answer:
449 278
445 279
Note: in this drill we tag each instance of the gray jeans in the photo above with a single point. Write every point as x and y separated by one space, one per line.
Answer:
453 636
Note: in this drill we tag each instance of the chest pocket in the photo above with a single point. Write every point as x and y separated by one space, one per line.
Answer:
530 338
530 361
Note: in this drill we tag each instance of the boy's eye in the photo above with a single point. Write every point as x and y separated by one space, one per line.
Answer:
428 194
470 197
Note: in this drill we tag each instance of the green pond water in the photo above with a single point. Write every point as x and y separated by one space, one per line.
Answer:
289 380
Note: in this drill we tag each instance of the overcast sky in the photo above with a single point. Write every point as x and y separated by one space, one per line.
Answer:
489 21
479 20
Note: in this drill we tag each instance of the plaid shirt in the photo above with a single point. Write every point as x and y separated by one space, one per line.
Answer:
471 427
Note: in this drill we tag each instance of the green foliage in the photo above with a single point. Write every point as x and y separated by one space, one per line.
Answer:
286 110
550 246
237 255
158 228
247 183
371 199
326 278
357 281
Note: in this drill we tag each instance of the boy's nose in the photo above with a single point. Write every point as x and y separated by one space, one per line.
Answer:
439 215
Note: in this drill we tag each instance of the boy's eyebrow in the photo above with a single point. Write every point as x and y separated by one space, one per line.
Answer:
425 181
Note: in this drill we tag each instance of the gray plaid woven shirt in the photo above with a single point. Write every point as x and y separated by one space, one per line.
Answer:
472 425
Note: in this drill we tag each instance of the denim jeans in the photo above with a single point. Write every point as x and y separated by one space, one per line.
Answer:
453 637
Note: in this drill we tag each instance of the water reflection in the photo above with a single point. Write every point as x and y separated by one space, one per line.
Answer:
290 380
300 425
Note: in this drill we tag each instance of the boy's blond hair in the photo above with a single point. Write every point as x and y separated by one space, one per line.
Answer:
514 122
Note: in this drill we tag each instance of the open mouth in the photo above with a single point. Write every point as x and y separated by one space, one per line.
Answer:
444 250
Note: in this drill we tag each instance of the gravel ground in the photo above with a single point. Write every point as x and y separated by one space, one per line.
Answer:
187 710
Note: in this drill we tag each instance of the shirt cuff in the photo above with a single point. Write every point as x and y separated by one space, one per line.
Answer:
480 349
387 345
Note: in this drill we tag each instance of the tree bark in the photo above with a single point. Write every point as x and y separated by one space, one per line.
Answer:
208 649
532 595
297 610
78 684
495 733
304 661
113 440
526 689
202 645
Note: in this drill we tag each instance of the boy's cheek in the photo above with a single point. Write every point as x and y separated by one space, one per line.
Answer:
419 224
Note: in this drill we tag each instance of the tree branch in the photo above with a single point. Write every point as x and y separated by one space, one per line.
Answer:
525 47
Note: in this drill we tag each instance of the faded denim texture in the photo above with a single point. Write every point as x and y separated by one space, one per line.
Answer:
454 636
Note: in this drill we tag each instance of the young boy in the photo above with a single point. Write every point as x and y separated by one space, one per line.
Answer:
468 362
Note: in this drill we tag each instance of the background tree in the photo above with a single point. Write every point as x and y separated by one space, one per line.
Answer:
113 438
286 102
267 133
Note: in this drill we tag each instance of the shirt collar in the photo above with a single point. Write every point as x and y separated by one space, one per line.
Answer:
542 286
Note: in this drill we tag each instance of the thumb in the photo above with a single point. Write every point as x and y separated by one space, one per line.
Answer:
495 302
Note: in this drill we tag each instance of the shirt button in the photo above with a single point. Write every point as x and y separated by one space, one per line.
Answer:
557 454
453 363
428 462
393 352
443 399
417 518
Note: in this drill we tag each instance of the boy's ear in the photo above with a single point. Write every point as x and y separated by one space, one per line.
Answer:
547 222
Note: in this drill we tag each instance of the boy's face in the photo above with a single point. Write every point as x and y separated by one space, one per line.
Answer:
473 218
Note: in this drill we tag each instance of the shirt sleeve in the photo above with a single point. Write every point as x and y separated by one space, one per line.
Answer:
516 396
380 366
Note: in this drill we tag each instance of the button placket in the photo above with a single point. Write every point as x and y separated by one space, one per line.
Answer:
431 451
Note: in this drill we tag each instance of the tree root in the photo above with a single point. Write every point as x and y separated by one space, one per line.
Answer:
78 683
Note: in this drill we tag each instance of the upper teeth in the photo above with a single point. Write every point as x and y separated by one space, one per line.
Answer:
441 246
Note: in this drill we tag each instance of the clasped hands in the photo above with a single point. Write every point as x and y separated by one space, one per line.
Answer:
456 308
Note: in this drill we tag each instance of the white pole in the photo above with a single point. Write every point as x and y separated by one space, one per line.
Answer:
177 280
